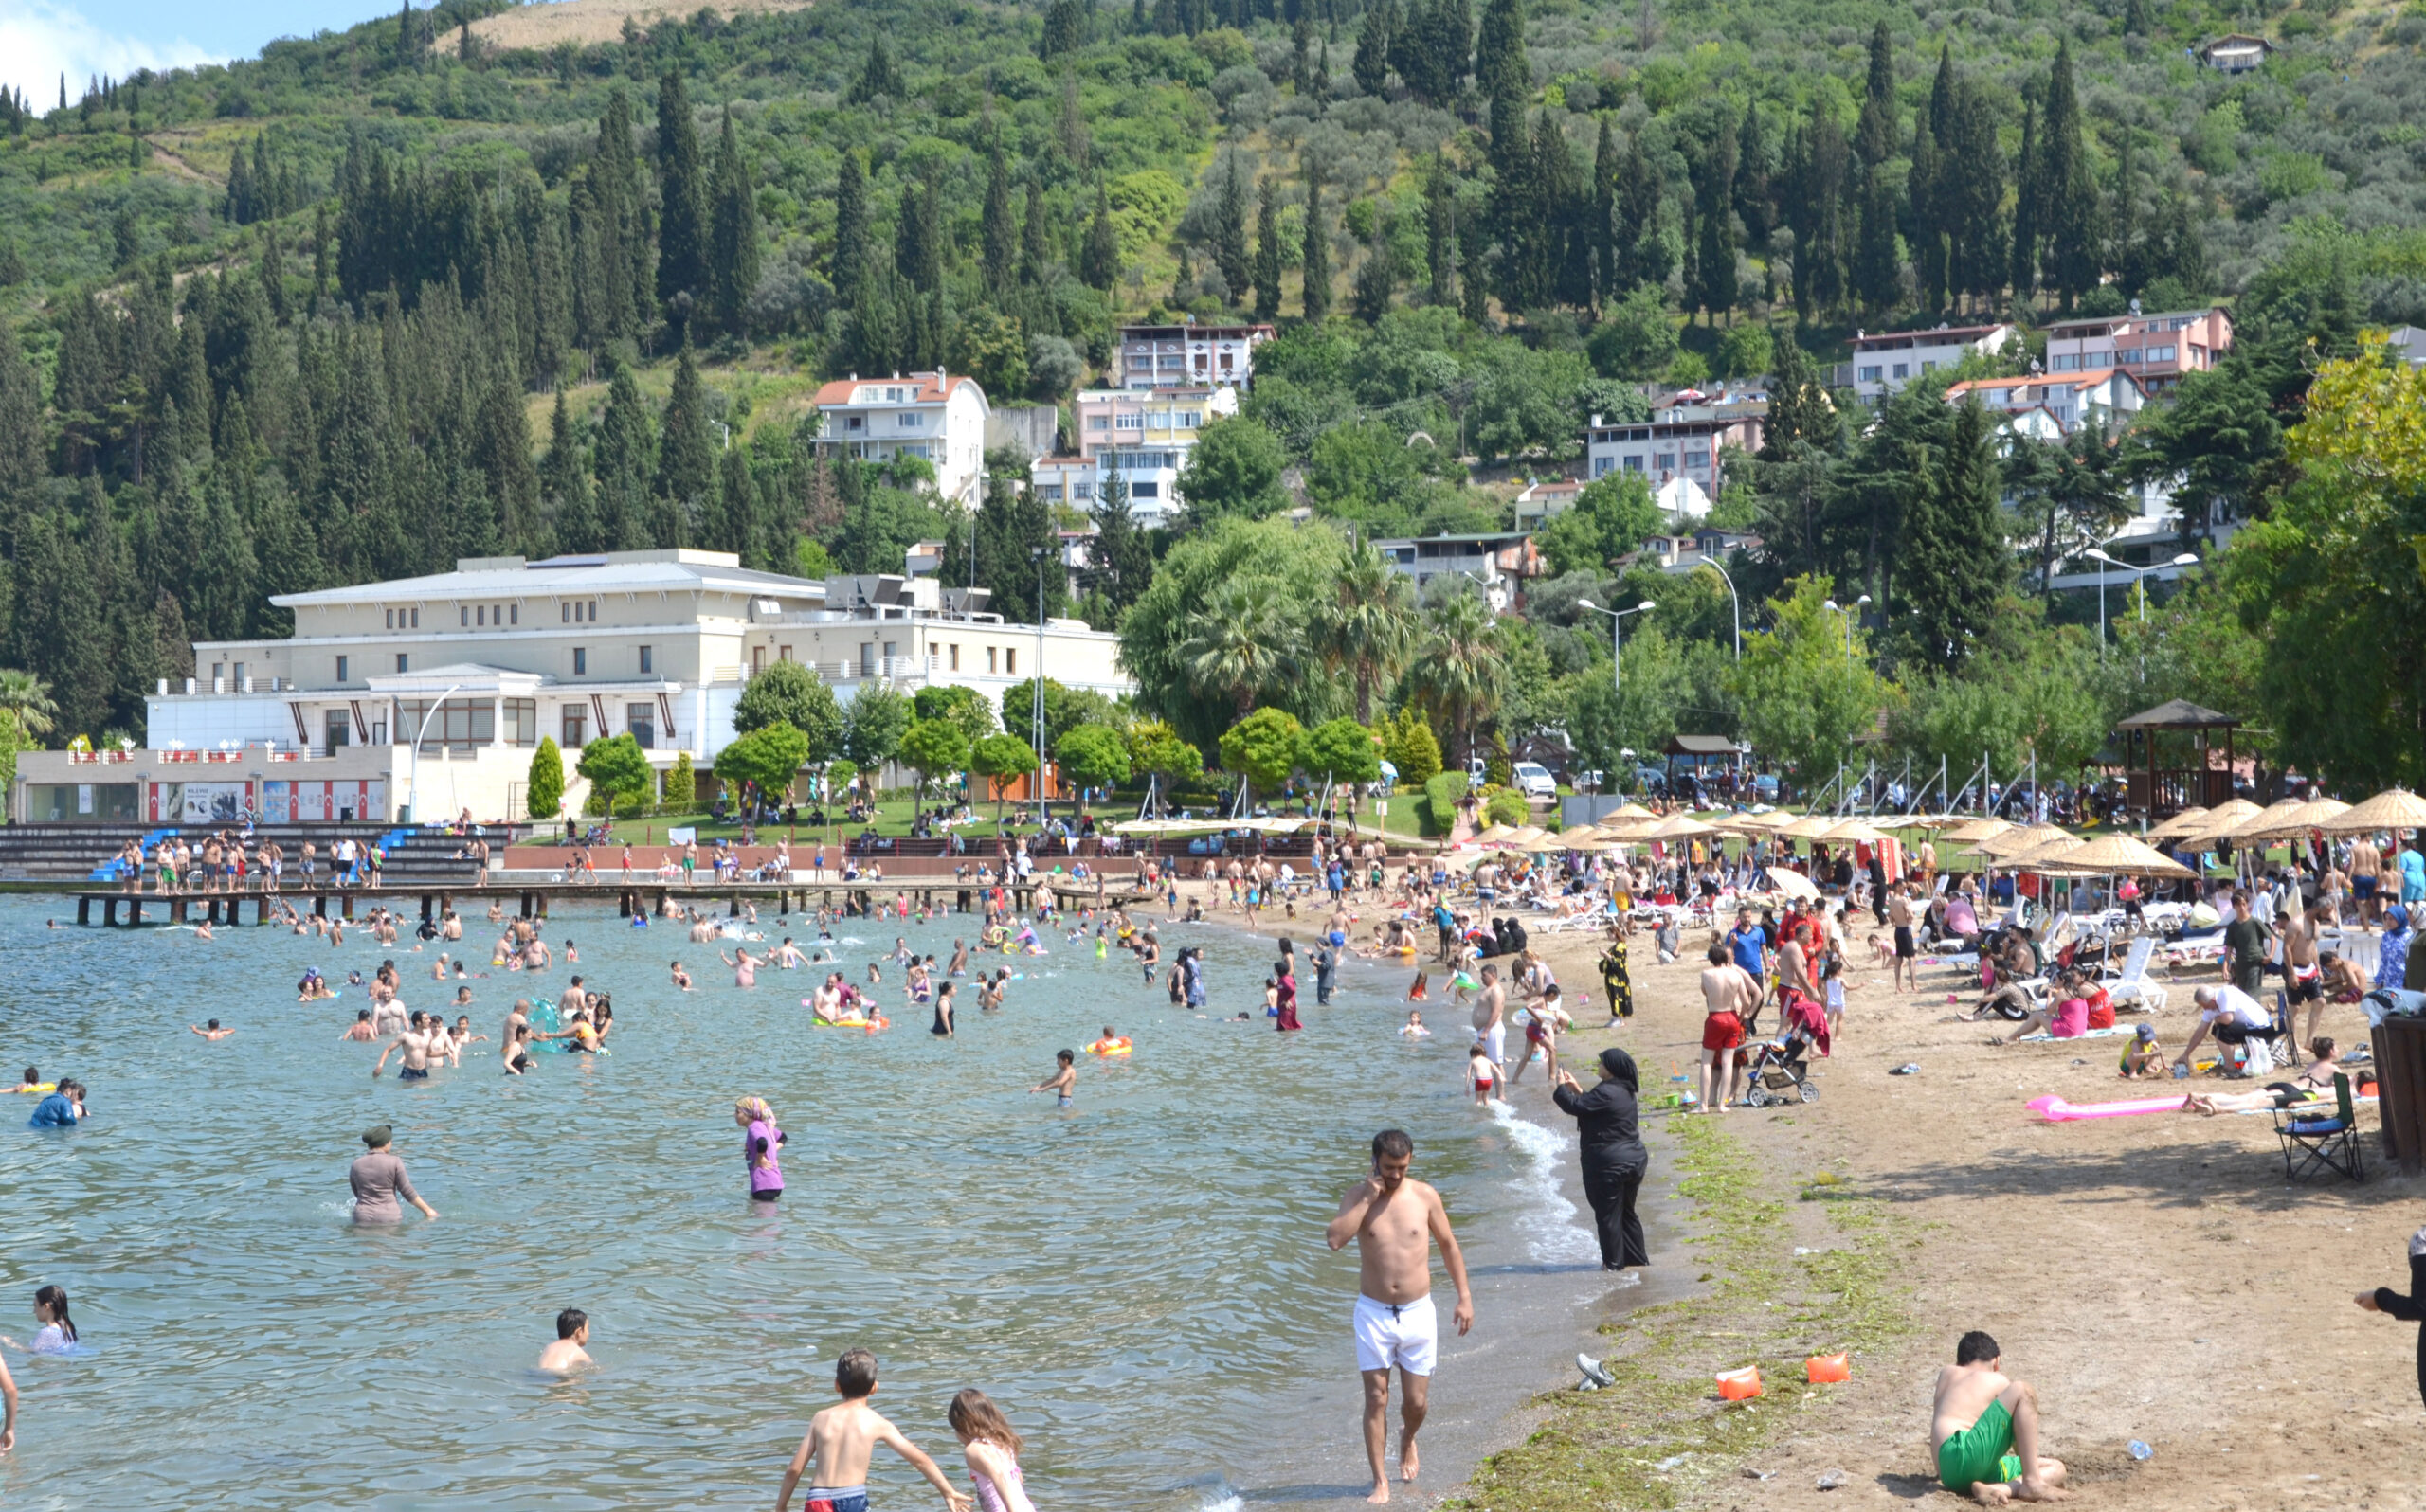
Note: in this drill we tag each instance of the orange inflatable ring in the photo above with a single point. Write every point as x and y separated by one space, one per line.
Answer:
1119 1046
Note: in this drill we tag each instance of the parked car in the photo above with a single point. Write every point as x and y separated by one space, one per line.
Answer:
1650 780
1533 779
1765 786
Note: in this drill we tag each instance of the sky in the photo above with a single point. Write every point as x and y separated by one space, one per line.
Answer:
41 39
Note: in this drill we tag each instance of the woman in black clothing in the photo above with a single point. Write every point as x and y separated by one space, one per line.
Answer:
2411 1308
1614 1159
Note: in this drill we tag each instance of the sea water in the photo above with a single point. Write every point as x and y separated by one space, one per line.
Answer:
1135 1280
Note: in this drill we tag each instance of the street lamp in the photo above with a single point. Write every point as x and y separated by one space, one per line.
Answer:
412 783
1617 648
1733 602
1037 711
2097 554
1851 615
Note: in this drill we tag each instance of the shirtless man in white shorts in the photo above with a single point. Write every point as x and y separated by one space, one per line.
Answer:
1394 1222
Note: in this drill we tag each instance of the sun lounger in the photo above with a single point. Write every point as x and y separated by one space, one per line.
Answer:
2131 984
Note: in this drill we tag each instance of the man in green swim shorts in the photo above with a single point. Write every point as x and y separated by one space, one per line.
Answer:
1983 1431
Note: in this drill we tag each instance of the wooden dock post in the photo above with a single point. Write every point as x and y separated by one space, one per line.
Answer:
85 912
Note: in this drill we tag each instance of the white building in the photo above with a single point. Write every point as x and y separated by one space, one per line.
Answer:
2110 396
1542 502
477 664
932 414
1064 481
1685 442
1884 364
1189 355
1499 563
1147 436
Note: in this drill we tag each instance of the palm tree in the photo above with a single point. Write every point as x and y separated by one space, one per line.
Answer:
27 700
1461 673
1242 642
1369 626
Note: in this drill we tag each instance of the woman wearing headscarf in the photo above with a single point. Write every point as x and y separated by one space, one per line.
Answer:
1614 1159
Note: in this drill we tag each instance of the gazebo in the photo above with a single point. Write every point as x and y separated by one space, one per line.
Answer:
2160 791
1699 750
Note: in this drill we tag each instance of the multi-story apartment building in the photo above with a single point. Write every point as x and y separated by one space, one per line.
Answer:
934 415
1681 441
2155 348
425 696
2066 400
1146 435
1189 355
1884 364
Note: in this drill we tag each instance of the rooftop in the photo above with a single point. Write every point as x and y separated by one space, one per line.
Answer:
1938 335
919 388
488 577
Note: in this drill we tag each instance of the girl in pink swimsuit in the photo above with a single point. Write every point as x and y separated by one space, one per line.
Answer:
993 1450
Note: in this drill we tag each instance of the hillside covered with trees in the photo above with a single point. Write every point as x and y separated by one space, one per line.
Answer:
385 296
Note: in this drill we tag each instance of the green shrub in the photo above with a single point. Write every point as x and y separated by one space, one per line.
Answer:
1505 805
1441 793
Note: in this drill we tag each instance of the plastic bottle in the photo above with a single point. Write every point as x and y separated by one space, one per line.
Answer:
2139 1450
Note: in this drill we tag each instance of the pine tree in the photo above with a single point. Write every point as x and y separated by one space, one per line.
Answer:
1316 261
1120 554
733 246
1500 62
686 447
1799 412
997 233
1269 256
1875 136
1064 30
1372 67
681 235
501 452
1099 258
2067 192
847 268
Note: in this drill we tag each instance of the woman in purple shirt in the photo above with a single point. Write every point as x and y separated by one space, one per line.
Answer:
762 1146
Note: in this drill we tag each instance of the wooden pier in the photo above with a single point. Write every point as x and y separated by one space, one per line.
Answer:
532 900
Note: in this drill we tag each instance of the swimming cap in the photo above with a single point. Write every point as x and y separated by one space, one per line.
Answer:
377 1135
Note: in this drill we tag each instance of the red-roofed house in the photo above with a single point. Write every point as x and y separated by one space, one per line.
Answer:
934 415
2068 398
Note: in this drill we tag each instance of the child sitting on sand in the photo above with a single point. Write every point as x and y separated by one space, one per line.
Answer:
2143 1056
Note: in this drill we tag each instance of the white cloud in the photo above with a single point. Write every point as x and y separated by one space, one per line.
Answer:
40 40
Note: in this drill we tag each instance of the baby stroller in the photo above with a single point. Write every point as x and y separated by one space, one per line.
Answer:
1776 1072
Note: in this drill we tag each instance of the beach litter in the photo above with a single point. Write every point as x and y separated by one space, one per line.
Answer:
1596 1376
1830 1480
2138 1449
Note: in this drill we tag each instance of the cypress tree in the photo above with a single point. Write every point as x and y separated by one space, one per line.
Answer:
563 486
1440 231
879 79
686 456
1372 67
1975 194
1602 216
1230 232
1954 561
1064 30
729 524
1099 258
917 239
1500 62
2067 192
1122 556
1376 280
1875 135
1638 251
1925 228
1877 281
501 452
1316 261
1754 196
681 237
2136 22
2026 203
733 249
1514 202
997 233
847 268
1565 209
1268 254
1301 57
1714 247
1036 244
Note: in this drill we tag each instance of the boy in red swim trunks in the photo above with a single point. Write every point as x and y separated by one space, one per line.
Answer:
843 1437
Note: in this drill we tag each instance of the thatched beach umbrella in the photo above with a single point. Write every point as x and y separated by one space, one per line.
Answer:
2009 842
2118 856
2395 809
2186 822
1976 830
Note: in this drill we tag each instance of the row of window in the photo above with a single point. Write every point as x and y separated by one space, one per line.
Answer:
1892 372
482 616
1148 419
404 664
473 722
907 420
1663 462
2089 361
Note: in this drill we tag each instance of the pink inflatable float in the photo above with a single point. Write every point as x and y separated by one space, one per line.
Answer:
2056 1110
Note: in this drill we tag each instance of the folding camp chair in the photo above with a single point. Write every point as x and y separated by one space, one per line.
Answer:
2332 1143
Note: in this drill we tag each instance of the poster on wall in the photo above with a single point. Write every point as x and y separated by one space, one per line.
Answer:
213 802
339 801
278 803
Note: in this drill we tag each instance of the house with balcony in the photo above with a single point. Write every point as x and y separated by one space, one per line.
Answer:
1064 481
2157 350
934 415
1145 436
1883 364
1681 553
2234 54
2109 396
1540 503
422 697
1500 563
1683 441
1189 355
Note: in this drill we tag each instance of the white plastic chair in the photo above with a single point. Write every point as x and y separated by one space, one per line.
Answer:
2133 985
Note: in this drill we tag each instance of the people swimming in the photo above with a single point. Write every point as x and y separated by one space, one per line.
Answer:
1064 1080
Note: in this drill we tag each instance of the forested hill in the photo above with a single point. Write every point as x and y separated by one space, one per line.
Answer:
387 296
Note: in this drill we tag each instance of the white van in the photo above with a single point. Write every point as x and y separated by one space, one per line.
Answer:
1533 779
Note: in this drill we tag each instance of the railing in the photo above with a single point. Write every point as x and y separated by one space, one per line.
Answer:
79 758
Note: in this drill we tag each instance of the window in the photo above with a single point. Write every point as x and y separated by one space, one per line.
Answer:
782 652
1698 461
392 618
1159 420
581 661
867 658
1868 374
336 728
1011 661
1188 419
641 720
955 659
2161 354
989 659
1082 489
2127 355
522 721
513 614
855 422
1634 461
757 660
1903 369
403 663
1600 467
1663 462
1928 366
1145 489
458 722
576 727
1098 422
2064 361
893 396
564 614
648 661
1129 421
1051 492
342 670
913 422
